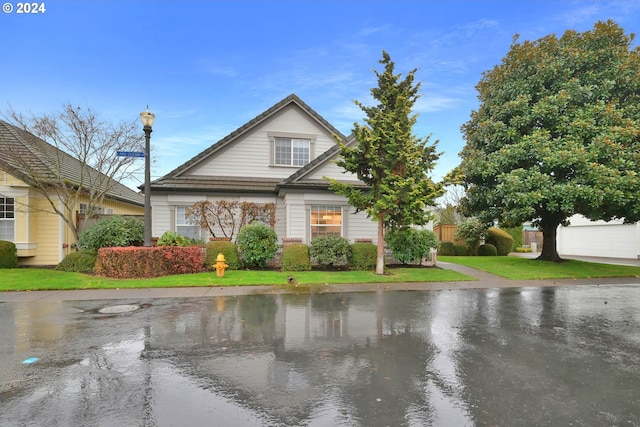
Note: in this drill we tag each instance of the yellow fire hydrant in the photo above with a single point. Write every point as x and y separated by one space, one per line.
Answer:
221 265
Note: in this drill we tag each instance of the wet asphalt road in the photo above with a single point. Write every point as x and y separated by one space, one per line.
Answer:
533 356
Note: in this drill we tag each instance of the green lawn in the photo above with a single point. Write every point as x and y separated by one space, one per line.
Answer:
516 268
32 279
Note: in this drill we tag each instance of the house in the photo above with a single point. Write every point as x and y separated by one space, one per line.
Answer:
280 157
599 238
26 216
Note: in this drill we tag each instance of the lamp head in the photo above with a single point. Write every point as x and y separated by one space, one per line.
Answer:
147 118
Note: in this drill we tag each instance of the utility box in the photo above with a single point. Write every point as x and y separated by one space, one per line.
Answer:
534 247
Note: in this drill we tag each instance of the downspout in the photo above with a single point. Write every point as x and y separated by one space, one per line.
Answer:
61 234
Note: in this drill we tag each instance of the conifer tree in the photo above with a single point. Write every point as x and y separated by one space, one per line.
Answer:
392 162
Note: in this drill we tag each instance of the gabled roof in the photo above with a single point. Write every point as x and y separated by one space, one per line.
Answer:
172 178
299 180
36 158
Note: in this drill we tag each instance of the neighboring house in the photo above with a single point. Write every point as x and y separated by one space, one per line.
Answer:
26 217
279 157
599 238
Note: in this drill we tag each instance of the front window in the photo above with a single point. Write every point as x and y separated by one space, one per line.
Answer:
185 227
326 221
291 151
7 218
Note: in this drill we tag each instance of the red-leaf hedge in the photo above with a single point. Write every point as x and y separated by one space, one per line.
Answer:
137 262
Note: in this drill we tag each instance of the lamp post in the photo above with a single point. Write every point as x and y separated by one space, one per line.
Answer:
147 121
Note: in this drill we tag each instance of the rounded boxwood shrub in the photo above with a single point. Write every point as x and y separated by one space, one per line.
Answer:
296 258
226 248
171 238
411 245
330 250
446 249
501 239
8 254
79 262
487 250
257 244
460 250
363 256
111 232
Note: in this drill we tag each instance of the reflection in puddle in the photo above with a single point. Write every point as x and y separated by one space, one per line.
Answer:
371 359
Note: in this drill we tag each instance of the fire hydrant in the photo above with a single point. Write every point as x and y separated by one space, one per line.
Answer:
221 265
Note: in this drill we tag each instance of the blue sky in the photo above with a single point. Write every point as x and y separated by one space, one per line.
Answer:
207 67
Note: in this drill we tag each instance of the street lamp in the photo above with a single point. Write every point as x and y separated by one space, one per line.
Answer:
147 118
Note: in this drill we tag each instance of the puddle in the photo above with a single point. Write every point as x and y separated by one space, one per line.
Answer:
122 308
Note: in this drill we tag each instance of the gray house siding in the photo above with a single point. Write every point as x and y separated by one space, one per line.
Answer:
241 167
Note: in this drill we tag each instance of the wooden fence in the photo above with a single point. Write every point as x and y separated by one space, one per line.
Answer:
447 233
532 236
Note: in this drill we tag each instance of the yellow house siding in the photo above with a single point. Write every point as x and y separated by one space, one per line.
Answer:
44 231
41 236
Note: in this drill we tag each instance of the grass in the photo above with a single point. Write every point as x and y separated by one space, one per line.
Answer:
516 268
32 279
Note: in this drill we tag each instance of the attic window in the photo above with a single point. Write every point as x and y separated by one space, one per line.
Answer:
291 151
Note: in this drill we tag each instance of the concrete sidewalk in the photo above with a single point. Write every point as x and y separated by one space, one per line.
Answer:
483 280
602 260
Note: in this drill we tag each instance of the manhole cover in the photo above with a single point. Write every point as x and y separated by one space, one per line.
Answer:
115 309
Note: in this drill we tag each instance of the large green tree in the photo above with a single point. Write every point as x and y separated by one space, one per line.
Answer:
392 162
557 133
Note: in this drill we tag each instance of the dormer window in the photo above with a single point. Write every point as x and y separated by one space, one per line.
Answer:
291 151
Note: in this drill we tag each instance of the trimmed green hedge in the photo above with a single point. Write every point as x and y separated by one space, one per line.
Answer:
446 249
363 256
79 262
296 258
501 239
226 248
487 250
8 254
460 250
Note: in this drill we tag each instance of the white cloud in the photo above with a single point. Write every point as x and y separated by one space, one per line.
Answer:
435 103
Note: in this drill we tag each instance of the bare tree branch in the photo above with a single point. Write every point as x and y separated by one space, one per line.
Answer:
69 156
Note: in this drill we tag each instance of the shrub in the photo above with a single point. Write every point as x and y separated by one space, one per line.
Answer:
471 231
500 239
257 244
296 258
171 238
487 250
363 256
8 254
330 250
145 262
411 245
446 249
110 232
460 250
516 234
226 248
79 262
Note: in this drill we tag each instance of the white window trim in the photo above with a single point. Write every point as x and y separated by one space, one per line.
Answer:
178 217
344 212
11 220
291 135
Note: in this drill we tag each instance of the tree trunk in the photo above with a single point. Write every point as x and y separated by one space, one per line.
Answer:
380 259
549 227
